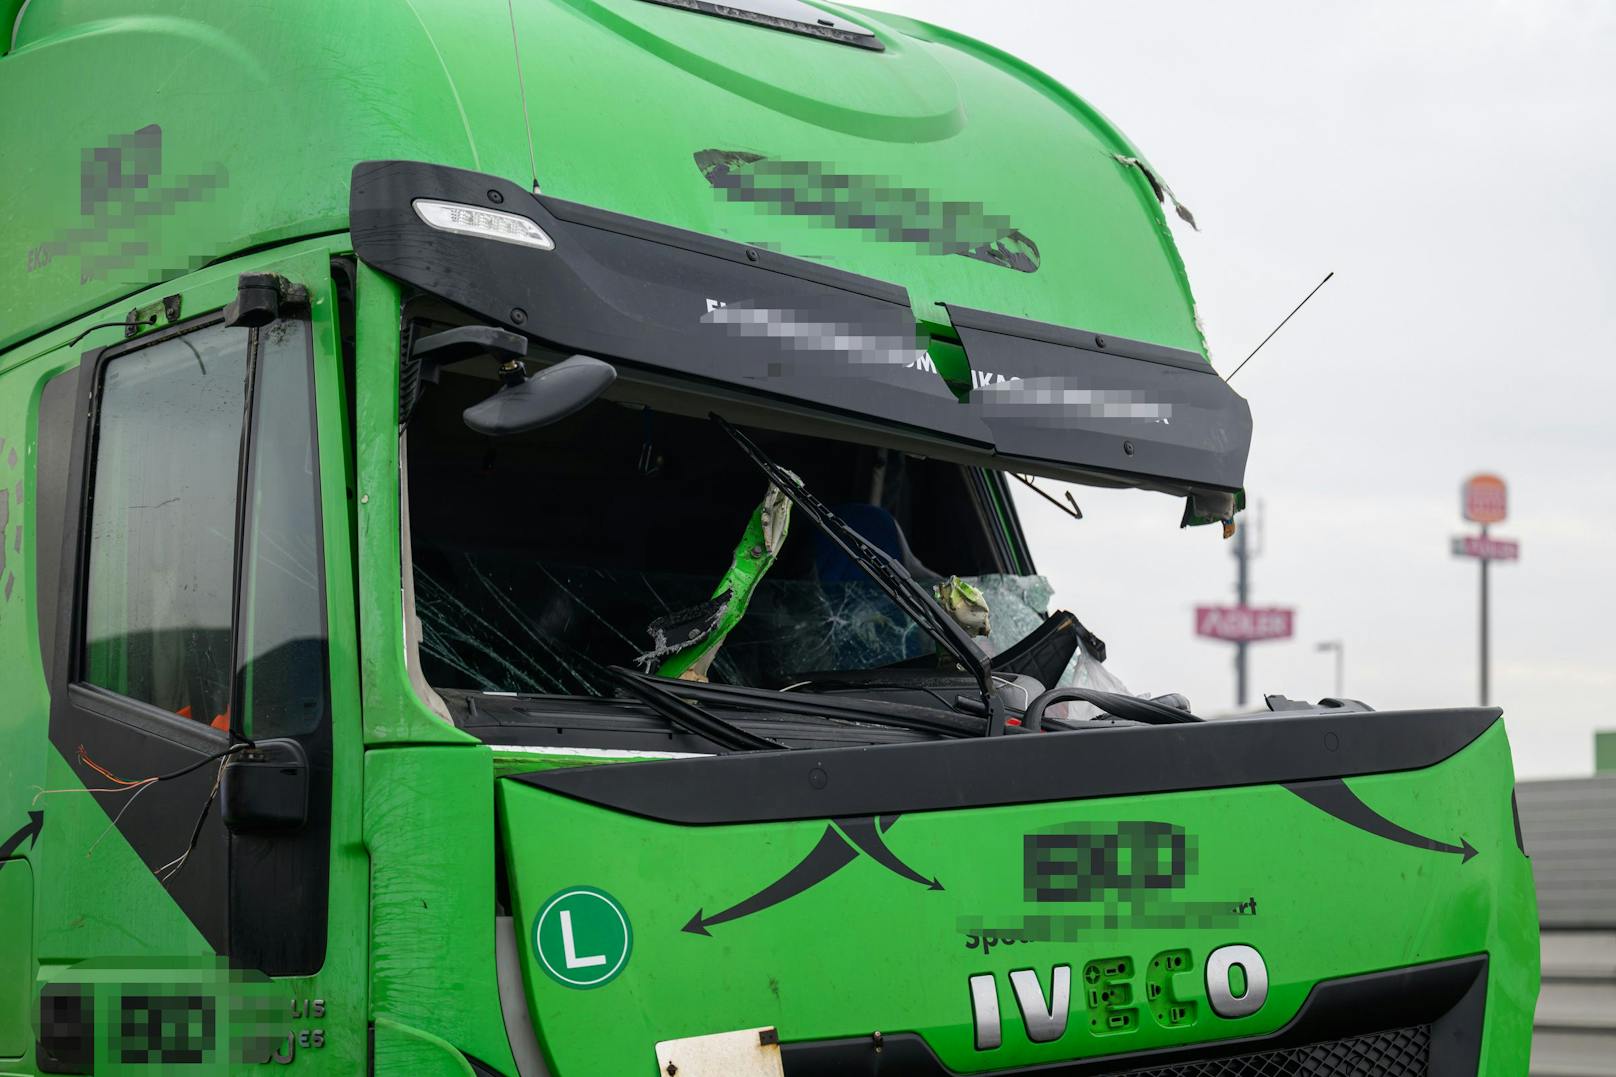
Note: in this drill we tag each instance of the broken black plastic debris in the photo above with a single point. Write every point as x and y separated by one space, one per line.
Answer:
682 629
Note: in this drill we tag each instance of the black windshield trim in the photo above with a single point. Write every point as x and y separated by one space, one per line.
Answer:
1143 350
1029 769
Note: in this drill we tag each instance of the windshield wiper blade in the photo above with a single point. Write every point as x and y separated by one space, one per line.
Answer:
943 722
688 716
885 571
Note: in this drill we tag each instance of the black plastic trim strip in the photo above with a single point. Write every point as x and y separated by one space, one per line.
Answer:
1092 401
147 719
1006 325
763 787
1450 996
823 27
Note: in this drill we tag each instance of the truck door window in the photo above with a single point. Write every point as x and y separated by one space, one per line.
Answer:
283 688
162 523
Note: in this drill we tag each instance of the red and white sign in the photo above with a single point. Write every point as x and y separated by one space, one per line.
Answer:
1243 624
1486 549
1486 499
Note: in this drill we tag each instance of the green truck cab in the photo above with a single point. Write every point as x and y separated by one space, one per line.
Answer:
507 567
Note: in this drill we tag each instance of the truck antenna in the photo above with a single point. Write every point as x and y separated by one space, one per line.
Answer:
521 85
1278 327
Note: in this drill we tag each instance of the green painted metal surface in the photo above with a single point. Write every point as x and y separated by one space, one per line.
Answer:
754 556
1605 753
867 950
431 848
212 128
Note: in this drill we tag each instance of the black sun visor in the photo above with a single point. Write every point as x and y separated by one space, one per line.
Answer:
746 322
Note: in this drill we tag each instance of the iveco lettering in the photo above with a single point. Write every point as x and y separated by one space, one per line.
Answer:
510 567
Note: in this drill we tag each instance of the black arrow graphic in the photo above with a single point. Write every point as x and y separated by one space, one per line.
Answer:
862 832
832 854
1334 798
36 823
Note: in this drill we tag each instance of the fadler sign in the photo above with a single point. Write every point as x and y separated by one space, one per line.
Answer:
1244 624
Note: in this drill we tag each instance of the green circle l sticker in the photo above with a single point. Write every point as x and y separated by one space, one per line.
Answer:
582 937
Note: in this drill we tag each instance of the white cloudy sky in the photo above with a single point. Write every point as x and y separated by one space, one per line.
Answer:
1455 164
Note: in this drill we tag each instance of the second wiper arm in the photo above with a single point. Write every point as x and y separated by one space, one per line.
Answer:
688 716
886 572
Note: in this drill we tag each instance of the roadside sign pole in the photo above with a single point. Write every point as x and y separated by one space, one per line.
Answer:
1484 500
1486 649
1240 624
1242 558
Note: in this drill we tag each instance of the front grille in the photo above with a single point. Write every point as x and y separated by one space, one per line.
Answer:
1404 1052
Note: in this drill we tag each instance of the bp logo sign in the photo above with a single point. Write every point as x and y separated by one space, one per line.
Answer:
582 937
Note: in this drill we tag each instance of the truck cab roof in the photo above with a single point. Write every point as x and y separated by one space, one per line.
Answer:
182 133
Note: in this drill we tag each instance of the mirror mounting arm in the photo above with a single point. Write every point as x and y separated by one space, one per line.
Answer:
463 342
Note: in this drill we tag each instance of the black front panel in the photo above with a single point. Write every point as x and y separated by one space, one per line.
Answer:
757 787
632 291
740 321
1085 399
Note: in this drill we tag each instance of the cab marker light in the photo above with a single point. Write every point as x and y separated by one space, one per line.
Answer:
492 224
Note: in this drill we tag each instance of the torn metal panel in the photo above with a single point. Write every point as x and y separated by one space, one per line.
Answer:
692 656
1164 193
965 604
684 631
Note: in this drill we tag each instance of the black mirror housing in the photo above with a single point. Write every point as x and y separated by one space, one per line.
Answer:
265 788
547 397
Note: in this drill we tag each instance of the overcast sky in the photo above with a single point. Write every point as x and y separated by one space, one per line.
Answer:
1455 164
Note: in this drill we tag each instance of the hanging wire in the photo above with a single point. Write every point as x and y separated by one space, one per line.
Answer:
139 788
167 872
1073 511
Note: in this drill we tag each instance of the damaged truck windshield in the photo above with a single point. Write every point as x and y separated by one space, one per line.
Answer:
625 535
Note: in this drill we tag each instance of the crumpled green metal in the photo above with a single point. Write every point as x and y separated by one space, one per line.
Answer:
966 604
760 544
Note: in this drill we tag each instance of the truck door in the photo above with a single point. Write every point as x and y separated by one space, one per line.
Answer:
192 636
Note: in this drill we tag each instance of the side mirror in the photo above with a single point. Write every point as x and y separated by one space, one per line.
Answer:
265 788
526 403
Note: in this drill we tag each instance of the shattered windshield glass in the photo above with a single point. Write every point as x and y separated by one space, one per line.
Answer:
475 634
541 560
